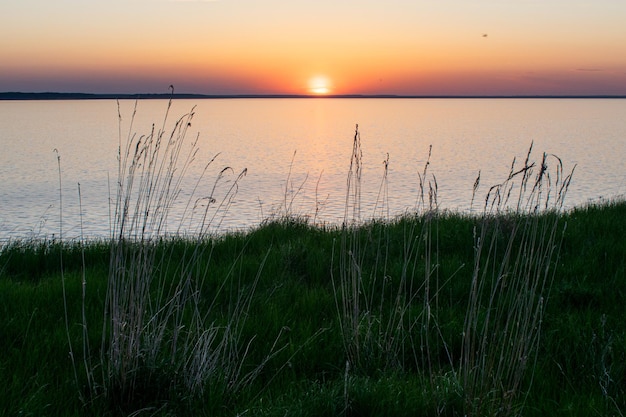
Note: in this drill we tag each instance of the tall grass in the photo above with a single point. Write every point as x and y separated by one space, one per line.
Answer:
430 313
389 318
516 251
162 338
386 306
578 369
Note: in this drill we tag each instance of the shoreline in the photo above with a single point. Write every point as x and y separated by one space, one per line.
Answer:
8 96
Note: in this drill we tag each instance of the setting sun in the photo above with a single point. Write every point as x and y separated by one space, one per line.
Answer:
319 85
236 48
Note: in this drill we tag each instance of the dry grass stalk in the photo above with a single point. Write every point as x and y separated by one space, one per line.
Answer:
515 252
157 337
375 310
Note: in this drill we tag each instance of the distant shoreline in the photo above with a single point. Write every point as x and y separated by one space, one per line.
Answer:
149 96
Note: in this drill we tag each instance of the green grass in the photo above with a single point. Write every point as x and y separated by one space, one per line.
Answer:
432 313
580 369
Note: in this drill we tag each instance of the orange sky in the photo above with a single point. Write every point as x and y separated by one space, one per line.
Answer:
408 47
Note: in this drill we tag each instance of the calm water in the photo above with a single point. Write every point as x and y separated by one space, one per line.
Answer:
262 135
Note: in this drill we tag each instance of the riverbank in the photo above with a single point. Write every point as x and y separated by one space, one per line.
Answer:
306 321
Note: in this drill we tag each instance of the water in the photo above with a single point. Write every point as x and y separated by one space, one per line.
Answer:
262 135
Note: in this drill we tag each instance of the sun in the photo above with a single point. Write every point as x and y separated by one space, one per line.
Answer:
319 85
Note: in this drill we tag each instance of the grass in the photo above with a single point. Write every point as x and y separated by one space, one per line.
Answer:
579 368
517 311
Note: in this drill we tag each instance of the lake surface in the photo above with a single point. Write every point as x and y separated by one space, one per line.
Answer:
297 155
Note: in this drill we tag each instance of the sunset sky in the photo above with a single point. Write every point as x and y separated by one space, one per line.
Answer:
410 47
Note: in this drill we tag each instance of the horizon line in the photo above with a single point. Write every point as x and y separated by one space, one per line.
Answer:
15 95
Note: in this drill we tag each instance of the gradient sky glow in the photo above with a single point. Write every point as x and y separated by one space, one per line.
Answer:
413 47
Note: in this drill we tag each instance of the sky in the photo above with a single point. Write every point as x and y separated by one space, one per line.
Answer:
406 47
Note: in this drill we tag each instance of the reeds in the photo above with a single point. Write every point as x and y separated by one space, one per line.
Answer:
516 252
463 339
161 337
576 366
397 326
385 306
